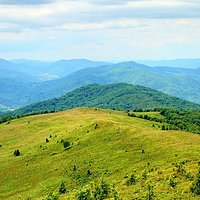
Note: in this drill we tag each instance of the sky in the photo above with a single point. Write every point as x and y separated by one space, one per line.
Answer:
100 29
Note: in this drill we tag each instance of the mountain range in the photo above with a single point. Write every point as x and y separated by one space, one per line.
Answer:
21 88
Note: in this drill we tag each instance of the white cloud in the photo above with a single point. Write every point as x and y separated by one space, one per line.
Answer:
24 2
100 28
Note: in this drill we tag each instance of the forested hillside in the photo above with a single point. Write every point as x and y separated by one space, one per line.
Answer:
115 96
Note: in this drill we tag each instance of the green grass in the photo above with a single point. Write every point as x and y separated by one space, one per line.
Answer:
108 143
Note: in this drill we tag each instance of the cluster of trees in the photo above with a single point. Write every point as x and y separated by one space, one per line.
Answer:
183 120
175 120
6 118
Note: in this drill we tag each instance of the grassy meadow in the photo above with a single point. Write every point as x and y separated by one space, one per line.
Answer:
104 145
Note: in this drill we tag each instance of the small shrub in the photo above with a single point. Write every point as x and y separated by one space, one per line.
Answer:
150 194
144 175
16 152
131 180
99 192
115 194
52 196
84 195
47 140
189 176
102 191
105 189
143 151
172 182
89 173
195 188
96 126
180 169
62 189
163 127
66 144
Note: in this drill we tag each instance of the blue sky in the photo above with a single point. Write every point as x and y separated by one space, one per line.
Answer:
99 29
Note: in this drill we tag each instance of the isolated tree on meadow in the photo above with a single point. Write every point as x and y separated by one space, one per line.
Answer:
16 152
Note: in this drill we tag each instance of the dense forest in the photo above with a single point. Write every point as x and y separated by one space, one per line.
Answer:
120 96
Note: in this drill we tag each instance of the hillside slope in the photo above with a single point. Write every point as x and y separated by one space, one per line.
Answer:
114 96
105 145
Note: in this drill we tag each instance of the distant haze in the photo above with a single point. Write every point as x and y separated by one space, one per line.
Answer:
179 63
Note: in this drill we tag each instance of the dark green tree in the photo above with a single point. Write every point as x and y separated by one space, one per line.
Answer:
131 180
16 152
66 144
62 189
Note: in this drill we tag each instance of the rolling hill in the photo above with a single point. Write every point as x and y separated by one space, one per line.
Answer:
115 96
82 152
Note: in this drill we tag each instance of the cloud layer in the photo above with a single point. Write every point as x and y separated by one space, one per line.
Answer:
24 2
143 28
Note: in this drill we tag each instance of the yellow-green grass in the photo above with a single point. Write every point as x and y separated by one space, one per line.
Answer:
108 143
